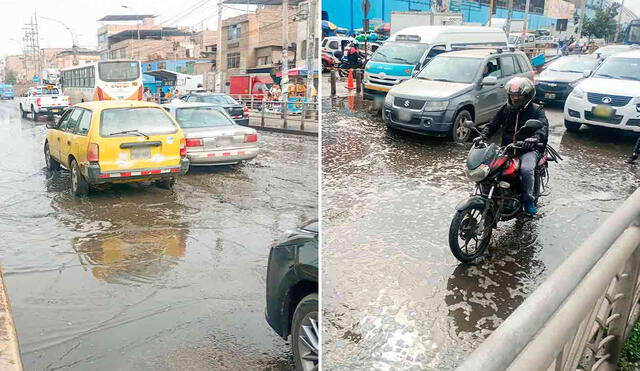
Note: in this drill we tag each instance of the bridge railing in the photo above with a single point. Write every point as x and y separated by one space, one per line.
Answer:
581 315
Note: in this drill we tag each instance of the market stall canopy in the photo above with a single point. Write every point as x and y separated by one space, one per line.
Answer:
326 25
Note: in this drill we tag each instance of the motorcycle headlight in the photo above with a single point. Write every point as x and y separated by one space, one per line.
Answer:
388 100
578 93
478 173
436 105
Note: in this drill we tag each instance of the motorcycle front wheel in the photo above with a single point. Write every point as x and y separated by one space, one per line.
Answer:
470 233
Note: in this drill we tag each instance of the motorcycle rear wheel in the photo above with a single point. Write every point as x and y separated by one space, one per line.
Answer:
469 226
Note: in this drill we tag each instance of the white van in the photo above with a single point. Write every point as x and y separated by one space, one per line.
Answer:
333 44
412 48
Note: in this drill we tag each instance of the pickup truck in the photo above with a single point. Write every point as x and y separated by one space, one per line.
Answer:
43 100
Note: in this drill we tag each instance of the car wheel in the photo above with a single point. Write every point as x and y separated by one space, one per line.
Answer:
52 164
22 112
166 183
459 133
572 126
79 185
33 112
305 334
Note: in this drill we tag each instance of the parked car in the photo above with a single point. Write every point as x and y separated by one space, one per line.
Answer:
333 44
237 111
558 79
116 142
292 293
608 97
452 88
43 100
328 61
212 137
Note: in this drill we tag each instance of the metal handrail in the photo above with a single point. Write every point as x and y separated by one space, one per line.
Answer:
557 308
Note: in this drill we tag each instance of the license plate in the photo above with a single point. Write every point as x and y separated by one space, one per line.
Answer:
604 112
404 116
140 153
223 141
549 96
55 110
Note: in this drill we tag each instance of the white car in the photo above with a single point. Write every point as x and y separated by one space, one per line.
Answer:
610 97
43 100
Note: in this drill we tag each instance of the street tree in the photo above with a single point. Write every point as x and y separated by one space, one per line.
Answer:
603 24
10 77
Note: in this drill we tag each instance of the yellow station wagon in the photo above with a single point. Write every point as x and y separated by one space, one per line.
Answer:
116 142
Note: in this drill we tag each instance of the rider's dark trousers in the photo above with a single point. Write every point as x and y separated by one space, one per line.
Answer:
527 172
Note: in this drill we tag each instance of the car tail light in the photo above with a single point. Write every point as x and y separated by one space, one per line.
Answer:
249 138
183 147
38 102
93 154
194 143
246 112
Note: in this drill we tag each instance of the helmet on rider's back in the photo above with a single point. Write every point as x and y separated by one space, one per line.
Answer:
520 92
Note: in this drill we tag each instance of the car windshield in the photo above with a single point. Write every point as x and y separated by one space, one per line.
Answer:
451 69
400 52
619 68
119 71
202 117
215 99
145 120
573 64
52 91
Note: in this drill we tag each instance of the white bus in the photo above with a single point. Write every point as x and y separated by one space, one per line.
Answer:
103 80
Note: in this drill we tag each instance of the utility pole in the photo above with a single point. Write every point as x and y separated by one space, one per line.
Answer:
509 16
37 45
619 27
490 11
582 14
138 29
284 83
219 76
526 17
311 46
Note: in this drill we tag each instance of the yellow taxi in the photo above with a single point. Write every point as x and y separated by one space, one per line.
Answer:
116 142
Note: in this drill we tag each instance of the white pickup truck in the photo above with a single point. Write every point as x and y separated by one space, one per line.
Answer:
43 100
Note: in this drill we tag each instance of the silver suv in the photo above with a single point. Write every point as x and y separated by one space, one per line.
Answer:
452 88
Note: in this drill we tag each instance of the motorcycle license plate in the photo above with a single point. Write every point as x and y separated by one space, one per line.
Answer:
549 96
404 116
604 112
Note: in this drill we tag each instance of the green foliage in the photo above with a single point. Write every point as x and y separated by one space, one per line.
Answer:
630 358
10 77
603 25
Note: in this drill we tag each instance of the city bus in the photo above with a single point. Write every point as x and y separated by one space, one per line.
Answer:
632 35
103 80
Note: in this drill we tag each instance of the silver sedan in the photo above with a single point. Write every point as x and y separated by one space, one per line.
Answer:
213 138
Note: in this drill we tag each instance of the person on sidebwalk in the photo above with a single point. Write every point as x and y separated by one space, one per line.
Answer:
511 117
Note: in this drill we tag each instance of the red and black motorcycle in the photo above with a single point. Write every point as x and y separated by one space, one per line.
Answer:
498 191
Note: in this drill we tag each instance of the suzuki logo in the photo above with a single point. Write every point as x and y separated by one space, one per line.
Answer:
407 103
382 75
606 100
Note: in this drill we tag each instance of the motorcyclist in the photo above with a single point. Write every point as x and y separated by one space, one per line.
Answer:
636 152
354 54
511 117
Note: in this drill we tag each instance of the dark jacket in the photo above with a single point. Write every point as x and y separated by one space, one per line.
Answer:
506 118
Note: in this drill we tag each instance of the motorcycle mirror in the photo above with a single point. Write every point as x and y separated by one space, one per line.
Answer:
533 124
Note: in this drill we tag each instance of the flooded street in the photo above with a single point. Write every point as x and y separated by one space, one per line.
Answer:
394 297
141 278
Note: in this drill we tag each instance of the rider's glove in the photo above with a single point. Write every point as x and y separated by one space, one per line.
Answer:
530 143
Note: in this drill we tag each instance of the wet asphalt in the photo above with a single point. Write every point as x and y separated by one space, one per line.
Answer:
394 297
141 278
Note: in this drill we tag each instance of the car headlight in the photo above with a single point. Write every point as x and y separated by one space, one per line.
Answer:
578 93
436 105
575 83
478 173
388 100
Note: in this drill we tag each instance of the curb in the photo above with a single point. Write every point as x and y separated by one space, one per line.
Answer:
284 131
9 348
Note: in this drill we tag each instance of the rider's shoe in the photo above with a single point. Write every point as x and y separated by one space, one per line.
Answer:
530 208
632 158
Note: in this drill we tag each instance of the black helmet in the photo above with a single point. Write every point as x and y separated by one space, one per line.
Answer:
520 92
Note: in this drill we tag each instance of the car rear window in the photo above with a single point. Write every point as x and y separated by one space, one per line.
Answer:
202 117
147 120
52 91
215 99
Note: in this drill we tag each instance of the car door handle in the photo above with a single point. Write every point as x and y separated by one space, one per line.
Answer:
69 142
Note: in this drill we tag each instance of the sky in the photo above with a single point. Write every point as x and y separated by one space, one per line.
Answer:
81 16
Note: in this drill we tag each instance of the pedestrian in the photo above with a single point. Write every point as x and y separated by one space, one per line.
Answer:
176 94
147 94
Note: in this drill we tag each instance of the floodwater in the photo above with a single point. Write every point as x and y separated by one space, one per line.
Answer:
394 297
141 278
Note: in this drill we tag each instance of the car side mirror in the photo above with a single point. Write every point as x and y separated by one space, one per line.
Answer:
586 73
489 81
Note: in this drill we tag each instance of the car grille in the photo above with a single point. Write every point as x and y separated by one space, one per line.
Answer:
386 82
409 103
557 87
615 120
616 100
633 122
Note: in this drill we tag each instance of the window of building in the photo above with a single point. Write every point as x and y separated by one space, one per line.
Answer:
263 60
233 60
233 32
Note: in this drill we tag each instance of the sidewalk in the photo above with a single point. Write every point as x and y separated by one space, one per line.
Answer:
273 123
9 348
